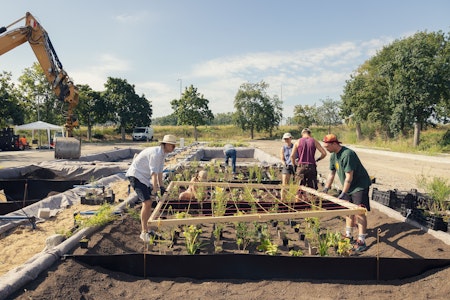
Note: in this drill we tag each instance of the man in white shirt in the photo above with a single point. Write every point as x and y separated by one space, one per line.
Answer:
146 177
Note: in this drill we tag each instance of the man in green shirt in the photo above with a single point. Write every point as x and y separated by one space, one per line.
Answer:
355 185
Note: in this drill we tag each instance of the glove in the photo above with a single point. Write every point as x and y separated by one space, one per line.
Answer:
162 190
325 190
344 196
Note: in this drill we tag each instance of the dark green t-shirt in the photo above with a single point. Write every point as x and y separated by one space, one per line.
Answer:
346 160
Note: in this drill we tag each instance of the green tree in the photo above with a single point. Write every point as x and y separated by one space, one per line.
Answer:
40 102
328 113
192 109
223 119
365 98
169 120
305 115
417 80
124 106
91 108
255 110
11 108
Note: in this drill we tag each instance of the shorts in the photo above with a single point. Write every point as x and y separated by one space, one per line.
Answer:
288 170
143 192
307 175
361 198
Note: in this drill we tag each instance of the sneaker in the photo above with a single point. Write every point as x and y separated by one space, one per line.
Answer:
359 246
145 236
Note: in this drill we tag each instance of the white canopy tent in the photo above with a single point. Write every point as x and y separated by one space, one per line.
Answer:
40 125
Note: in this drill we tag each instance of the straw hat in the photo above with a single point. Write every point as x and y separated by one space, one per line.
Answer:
169 139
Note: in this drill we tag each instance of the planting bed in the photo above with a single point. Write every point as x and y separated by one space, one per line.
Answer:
76 279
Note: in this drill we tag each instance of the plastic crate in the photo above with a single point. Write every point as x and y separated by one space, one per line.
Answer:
386 198
406 200
437 223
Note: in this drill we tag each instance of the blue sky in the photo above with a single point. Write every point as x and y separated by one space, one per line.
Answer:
305 50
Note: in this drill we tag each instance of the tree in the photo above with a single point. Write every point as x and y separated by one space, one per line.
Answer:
11 108
255 110
124 106
223 119
91 108
305 115
328 113
192 109
417 79
365 98
39 99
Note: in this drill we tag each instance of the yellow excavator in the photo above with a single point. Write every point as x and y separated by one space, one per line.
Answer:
67 147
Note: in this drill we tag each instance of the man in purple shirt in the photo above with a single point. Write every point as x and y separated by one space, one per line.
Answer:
303 156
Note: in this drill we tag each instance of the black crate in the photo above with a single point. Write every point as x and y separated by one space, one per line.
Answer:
406 200
437 223
418 215
386 198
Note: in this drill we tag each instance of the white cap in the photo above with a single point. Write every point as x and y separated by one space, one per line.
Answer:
287 135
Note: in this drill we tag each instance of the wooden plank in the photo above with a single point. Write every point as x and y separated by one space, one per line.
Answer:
346 209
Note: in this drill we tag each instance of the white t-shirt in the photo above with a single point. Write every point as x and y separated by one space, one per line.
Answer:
148 161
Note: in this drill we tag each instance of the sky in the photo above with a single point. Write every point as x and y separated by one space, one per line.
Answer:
304 50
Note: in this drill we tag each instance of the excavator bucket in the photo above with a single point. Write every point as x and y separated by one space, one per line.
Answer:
67 148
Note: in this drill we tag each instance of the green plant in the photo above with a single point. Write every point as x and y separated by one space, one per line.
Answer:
103 216
192 238
296 252
267 247
219 201
439 190
344 247
243 233
217 232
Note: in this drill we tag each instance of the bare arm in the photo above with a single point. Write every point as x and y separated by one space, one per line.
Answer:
294 154
330 179
322 151
282 156
347 181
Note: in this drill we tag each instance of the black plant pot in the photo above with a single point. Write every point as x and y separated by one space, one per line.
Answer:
84 244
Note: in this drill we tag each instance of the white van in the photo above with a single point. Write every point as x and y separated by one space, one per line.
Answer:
56 135
142 134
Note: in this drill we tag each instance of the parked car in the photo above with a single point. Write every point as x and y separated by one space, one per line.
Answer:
142 134
56 135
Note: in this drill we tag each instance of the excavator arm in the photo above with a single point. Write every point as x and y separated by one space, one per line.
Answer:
37 37
62 85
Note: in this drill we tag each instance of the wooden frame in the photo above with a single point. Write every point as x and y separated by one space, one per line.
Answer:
159 217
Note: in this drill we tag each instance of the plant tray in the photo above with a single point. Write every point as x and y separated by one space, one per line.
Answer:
97 201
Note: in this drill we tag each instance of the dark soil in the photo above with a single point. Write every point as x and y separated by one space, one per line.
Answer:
69 279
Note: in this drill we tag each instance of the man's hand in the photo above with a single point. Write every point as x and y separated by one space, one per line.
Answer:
344 196
325 190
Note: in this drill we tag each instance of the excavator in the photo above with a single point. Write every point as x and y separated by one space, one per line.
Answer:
67 147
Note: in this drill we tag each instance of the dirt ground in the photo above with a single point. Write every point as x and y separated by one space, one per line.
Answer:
71 280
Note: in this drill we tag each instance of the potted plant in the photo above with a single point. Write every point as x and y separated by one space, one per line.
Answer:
192 238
